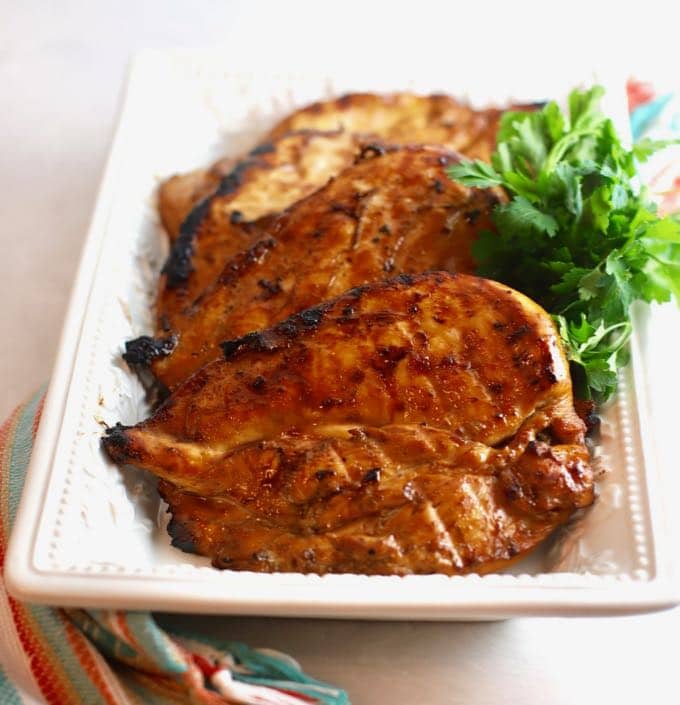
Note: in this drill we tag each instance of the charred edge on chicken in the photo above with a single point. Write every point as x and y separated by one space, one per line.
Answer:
116 441
264 148
179 264
181 536
142 350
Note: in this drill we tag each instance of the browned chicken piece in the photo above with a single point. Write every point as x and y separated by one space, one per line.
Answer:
234 217
423 424
400 118
392 212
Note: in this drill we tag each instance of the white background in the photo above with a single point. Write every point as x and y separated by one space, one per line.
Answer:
62 67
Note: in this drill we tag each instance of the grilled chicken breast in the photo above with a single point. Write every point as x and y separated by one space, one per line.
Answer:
401 118
423 424
394 211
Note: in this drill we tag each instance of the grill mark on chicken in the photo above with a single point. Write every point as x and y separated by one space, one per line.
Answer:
442 534
354 485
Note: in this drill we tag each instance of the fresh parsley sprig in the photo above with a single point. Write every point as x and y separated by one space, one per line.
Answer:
577 235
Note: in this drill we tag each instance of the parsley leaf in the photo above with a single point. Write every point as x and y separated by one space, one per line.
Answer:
577 235
521 214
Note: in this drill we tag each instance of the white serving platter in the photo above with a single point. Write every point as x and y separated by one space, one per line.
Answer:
89 534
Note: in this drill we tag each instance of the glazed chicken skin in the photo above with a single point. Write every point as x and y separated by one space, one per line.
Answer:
423 424
394 211
400 118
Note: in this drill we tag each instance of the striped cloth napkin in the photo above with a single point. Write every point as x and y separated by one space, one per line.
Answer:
107 657
78 657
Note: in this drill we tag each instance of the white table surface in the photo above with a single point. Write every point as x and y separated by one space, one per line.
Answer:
62 67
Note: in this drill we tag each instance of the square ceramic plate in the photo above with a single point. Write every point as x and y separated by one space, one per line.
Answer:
90 535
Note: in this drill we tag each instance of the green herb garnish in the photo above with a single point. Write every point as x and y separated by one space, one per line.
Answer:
577 236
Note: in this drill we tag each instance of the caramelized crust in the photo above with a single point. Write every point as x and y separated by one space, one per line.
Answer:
392 212
423 424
